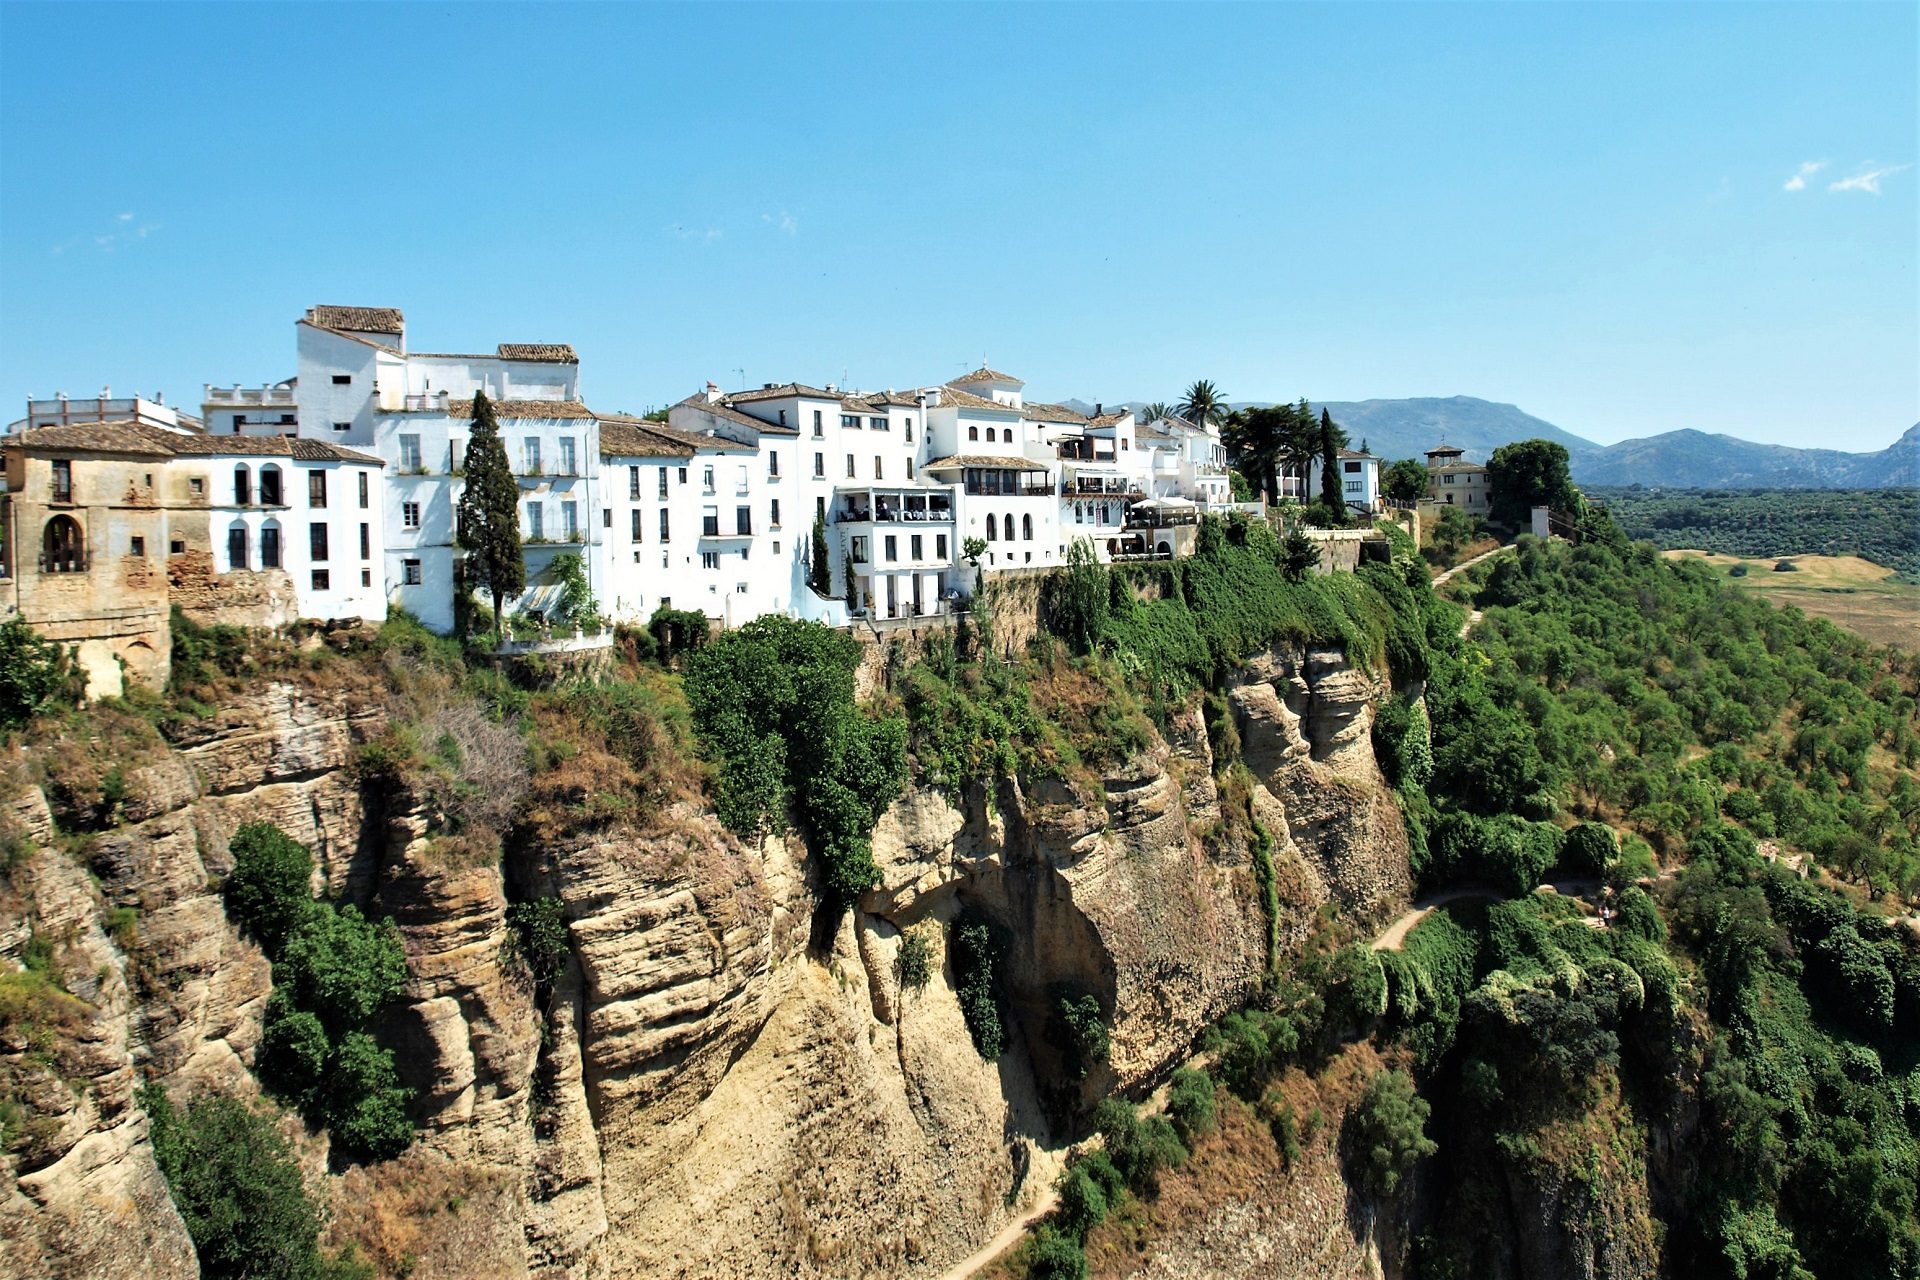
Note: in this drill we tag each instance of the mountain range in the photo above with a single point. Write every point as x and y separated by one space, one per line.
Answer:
1684 459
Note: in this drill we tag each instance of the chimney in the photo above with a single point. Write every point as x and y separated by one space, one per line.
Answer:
713 393
1097 407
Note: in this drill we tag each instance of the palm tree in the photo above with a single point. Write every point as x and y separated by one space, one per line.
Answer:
1204 403
1157 410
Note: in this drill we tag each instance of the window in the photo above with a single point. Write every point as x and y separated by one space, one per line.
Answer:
366 577
849 466
1351 468
366 542
818 430
606 517
410 515
410 573
316 488
740 588
363 491
197 485
773 464
918 546
342 379
270 486
316 542
662 487
410 454
783 417
909 468
740 479
878 424
570 521
990 435
664 535
343 426
322 580
536 521
1026 527
709 559
1354 486
973 433
237 547
743 521
773 517
909 430
566 456
940 546
177 547
270 547
242 487
849 420
893 548
634 524
1008 519
633 483
456 451
683 480
62 480
710 522
819 466
878 464
993 528
530 455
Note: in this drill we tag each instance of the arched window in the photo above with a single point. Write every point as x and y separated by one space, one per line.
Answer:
242 486
1079 513
270 494
1026 527
990 436
1009 525
63 547
973 433
270 545
993 530
237 546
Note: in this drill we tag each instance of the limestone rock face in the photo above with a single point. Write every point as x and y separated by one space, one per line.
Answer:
722 1079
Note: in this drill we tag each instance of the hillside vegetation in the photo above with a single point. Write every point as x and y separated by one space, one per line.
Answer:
1882 525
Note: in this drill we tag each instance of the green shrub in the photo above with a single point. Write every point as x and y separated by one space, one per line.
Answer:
341 966
294 1048
1590 849
976 956
1139 1149
1285 1127
1403 741
1081 1032
915 963
1082 1205
1389 1135
33 672
365 1104
239 1191
1052 1256
270 889
1248 1046
539 931
1190 1104
1076 598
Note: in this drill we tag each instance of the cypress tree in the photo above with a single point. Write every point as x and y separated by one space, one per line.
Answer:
489 514
820 569
1331 438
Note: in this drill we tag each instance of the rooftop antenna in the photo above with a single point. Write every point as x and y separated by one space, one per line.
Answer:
742 373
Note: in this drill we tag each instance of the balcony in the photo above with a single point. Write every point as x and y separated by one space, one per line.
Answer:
1034 490
866 507
1084 451
1091 486
433 402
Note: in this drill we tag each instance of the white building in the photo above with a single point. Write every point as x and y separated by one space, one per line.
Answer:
359 386
61 411
272 410
1359 481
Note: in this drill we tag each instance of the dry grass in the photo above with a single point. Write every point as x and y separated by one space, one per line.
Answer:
423 1217
1845 590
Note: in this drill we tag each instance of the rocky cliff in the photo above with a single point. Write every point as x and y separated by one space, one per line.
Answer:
719 1081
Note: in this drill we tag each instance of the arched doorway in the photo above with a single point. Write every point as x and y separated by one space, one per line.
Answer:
63 547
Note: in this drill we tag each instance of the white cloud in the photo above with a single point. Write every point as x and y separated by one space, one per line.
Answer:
1868 180
126 217
1798 182
119 234
786 223
705 235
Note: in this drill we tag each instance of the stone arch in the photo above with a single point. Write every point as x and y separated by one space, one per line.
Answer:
1165 548
63 546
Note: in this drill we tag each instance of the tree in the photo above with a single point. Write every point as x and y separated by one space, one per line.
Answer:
342 966
1525 475
1157 410
489 514
1077 598
32 670
1332 440
1404 481
269 891
577 604
1204 403
1298 556
819 568
1389 1131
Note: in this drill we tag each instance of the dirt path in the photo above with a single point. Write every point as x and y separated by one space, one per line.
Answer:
1010 1235
1441 579
1394 936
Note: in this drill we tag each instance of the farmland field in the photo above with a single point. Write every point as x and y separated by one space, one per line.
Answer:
1857 594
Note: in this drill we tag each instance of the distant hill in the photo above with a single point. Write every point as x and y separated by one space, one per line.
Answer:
1675 459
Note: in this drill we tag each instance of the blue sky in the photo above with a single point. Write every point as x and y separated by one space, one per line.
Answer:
1582 210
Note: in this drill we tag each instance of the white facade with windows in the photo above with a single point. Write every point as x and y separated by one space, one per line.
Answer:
1359 481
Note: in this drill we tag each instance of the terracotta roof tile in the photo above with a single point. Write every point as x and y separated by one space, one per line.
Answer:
1004 462
721 409
784 391
126 436
984 374
1033 412
358 319
463 408
952 395
549 352
678 438
629 440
